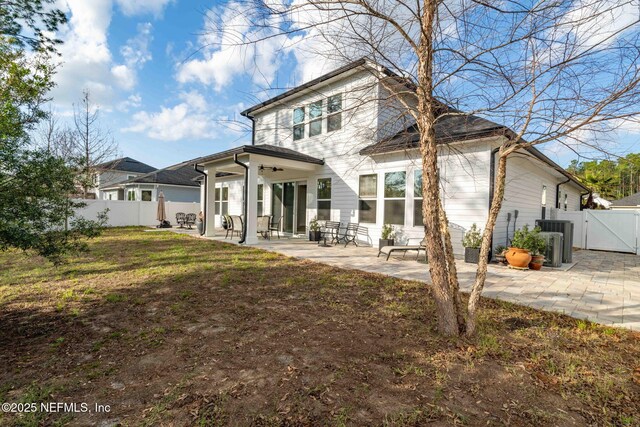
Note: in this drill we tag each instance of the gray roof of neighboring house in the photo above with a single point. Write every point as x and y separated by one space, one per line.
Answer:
126 164
632 200
180 174
262 149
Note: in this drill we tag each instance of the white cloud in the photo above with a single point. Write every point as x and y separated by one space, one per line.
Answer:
227 54
88 62
189 119
133 101
143 7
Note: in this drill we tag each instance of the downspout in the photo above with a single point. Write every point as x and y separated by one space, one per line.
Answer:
558 192
204 209
246 191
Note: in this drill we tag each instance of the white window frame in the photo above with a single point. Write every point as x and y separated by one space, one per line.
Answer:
385 198
323 118
417 200
131 191
373 198
318 199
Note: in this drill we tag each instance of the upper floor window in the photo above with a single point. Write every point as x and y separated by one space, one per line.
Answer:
334 112
298 123
314 114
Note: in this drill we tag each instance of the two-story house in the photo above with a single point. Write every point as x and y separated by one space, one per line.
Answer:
340 148
114 171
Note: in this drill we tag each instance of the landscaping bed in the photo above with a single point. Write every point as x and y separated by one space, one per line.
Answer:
168 329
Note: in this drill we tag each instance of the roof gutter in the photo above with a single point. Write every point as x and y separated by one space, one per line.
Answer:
204 208
246 189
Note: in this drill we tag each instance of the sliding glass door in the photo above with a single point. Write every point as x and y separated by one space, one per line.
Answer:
289 201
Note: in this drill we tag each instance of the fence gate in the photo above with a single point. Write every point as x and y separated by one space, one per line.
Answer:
611 230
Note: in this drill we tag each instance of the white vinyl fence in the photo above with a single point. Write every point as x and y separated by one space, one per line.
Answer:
123 213
614 230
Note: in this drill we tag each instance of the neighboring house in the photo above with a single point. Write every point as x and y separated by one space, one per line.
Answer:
178 183
629 202
116 171
600 202
338 148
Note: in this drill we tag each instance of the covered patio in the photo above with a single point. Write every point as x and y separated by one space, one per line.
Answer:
258 172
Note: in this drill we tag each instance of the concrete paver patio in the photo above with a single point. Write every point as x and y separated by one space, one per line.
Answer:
603 287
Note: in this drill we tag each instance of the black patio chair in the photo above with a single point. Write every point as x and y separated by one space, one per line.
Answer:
275 226
190 219
181 219
352 232
330 230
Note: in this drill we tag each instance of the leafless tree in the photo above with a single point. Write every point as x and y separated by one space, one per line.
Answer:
549 71
93 145
57 138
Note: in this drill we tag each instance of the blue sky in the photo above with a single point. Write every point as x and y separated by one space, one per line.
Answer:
163 100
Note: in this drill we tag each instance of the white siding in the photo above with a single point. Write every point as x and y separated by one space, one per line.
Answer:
526 177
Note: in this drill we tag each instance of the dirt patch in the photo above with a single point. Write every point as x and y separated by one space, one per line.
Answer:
171 330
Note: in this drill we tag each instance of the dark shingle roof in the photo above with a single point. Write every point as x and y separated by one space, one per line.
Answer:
632 200
448 129
126 164
329 75
263 149
181 174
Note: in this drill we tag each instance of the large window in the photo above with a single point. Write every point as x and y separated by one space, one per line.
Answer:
146 195
324 199
222 203
418 218
367 194
395 184
314 114
260 199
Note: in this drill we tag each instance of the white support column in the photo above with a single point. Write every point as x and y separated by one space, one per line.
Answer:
252 203
211 203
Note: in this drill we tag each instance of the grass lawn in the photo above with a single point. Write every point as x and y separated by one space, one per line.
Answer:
172 330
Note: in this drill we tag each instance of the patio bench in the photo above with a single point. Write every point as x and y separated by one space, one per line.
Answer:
388 250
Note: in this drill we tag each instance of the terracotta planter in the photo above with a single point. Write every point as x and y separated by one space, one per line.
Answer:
519 258
536 262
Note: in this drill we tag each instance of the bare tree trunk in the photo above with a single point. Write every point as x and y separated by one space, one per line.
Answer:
481 272
445 300
454 285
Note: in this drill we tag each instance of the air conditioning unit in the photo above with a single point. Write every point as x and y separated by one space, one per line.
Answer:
553 253
561 226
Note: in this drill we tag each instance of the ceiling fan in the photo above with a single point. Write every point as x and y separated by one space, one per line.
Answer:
273 168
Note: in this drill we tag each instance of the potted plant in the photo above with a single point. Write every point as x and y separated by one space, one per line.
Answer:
536 246
314 230
386 236
472 241
517 255
499 254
